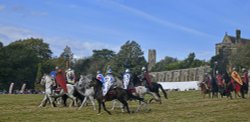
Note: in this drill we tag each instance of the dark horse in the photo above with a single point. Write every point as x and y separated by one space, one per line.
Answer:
114 93
137 81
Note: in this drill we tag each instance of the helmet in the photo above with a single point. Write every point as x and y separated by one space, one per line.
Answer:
69 69
57 68
109 71
243 69
127 70
143 69
98 72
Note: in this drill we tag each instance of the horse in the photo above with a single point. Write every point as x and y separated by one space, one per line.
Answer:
204 89
83 87
155 88
114 93
49 94
140 89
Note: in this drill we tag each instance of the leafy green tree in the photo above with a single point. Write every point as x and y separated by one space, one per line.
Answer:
1 44
68 56
241 59
164 63
19 61
130 56
36 45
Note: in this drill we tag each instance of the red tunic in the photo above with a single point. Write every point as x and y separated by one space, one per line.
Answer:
60 79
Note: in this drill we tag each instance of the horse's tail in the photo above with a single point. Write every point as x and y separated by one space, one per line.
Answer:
164 92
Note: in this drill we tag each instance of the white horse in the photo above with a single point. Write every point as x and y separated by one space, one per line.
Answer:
82 86
50 95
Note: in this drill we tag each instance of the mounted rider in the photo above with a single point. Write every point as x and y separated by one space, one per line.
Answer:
60 79
145 77
100 76
53 77
70 75
108 82
126 78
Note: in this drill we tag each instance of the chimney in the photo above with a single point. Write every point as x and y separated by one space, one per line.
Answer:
238 35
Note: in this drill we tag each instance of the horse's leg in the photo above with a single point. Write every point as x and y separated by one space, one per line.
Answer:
113 104
44 101
105 109
99 106
51 101
91 98
125 104
83 102
73 98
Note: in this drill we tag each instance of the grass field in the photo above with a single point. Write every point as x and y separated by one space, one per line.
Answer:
181 106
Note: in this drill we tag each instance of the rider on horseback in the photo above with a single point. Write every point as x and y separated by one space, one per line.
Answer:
146 77
99 76
70 75
53 77
108 82
126 78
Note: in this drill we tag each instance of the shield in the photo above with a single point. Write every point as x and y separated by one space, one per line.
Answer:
236 77
60 79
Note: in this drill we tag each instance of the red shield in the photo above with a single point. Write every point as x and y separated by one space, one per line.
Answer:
60 79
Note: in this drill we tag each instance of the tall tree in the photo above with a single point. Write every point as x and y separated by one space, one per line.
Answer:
1 44
68 56
18 61
130 56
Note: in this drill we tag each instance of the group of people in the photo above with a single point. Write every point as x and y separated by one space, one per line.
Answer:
239 83
109 79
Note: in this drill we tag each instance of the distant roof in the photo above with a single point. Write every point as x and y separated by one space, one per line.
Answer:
242 40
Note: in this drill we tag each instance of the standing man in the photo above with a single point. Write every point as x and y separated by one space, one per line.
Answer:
236 79
244 88
126 78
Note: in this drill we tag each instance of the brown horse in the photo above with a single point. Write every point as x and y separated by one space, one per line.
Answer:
205 90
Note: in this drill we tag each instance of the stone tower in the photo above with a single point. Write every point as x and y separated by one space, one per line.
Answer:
151 58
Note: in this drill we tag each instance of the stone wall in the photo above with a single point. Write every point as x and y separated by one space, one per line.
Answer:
192 74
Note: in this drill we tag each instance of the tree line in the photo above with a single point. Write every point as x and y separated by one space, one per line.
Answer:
25 61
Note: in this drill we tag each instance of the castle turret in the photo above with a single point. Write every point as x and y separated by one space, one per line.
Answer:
151 58
238 36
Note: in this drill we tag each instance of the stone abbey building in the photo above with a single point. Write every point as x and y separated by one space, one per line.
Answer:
226 48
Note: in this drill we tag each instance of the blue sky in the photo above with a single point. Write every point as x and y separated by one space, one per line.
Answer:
173 27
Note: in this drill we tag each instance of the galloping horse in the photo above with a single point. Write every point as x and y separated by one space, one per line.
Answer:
83 87
141 89
116 93
49 95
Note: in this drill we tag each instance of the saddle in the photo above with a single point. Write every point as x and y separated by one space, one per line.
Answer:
57 90
131 90
111 93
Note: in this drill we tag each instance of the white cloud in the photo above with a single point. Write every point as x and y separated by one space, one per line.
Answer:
80 48
161 21
2 7
10 33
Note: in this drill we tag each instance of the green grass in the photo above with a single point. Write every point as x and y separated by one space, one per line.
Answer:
181 106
